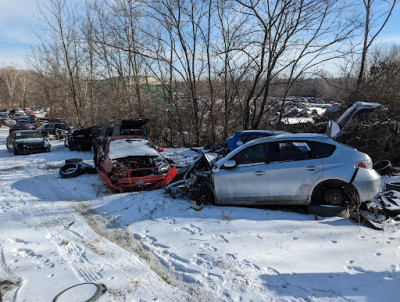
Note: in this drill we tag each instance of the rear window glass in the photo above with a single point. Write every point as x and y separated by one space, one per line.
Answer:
320 150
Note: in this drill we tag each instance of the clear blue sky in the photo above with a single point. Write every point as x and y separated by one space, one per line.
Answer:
17 22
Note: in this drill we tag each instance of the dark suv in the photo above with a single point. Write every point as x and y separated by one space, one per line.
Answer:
59 129
81 139
133 126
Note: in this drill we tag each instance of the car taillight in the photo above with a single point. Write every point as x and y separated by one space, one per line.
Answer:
365 164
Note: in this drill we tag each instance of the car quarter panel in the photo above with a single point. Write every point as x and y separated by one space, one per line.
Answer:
367 183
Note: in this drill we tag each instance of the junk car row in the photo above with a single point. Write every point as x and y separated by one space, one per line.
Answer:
256 167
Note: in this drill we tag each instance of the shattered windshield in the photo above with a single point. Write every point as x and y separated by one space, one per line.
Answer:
131 147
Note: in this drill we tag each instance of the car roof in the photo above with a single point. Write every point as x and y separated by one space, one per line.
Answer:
243 132
293 136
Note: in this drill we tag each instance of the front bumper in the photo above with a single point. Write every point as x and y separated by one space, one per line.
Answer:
128 184
32 149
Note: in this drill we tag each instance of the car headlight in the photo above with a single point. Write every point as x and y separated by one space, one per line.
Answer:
163 168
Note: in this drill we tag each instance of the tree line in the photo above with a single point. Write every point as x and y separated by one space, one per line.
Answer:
199 69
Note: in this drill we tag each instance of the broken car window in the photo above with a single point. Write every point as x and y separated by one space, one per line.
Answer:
251 155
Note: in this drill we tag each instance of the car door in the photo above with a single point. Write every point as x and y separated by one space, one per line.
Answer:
292 172
247 182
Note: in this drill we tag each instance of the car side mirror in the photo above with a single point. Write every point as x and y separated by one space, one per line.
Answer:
229 164
160 149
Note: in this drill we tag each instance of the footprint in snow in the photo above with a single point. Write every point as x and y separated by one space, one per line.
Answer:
219 238
378 254
352 270
334 241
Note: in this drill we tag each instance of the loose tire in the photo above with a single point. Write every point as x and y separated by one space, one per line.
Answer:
73 160
383 167
70 170
329 211
393 186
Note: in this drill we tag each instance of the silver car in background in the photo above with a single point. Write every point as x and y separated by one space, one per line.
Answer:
293 169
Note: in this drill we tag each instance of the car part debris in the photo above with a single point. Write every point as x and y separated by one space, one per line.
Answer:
196 183
383 167
88 292
75 167
395 186
390 203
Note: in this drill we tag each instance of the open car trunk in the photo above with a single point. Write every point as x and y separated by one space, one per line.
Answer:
334 128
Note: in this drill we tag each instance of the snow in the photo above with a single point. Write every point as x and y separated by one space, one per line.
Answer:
131 147
144 246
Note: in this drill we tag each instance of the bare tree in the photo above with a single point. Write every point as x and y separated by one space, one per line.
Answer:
378 20
291 37
9 75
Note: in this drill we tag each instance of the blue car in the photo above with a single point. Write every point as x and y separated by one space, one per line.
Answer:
244 136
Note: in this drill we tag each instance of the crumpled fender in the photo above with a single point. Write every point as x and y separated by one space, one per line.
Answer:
170 176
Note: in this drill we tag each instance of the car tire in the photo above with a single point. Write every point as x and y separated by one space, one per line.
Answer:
395 186
73 160
329 211
70 170
383 167
47 149
16 152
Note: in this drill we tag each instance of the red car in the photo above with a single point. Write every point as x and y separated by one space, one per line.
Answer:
131 163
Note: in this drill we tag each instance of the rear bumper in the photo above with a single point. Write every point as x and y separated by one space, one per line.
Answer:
367 183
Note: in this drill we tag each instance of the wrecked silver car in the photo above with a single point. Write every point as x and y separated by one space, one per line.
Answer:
286 169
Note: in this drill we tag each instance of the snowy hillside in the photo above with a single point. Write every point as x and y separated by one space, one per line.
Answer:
146 246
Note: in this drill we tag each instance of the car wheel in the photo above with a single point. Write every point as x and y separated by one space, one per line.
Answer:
16 152
48 149
334 197
70 170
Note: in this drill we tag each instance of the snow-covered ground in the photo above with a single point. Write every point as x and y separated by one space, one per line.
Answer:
146 246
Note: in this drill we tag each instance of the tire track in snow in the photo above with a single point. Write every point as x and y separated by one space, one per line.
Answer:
87 251
121 237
